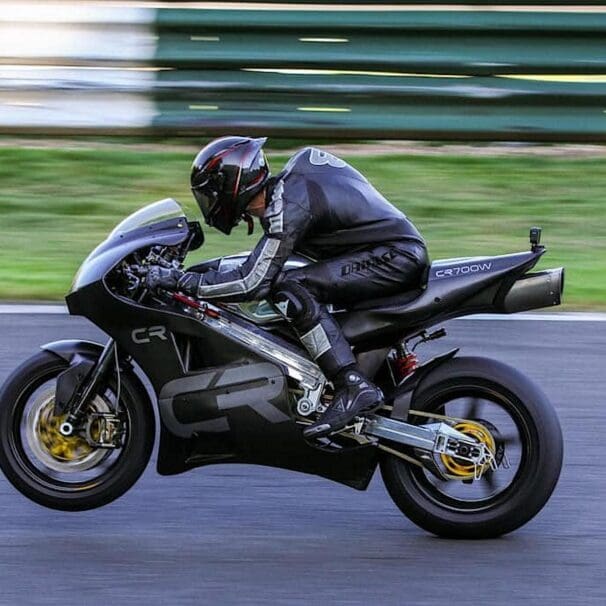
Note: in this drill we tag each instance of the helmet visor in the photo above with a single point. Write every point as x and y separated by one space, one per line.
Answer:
207 200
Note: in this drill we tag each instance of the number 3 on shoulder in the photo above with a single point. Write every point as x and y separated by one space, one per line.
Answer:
320 158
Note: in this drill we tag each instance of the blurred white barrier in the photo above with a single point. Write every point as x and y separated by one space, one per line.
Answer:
79 110
76 12
81 42
73 78
75 65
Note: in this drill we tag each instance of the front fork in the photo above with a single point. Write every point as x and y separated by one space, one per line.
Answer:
88 389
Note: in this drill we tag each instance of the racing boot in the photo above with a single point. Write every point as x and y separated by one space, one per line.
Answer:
356 396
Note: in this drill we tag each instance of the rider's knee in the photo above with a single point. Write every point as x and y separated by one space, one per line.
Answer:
293 300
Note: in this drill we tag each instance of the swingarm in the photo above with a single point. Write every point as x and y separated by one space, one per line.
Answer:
428 441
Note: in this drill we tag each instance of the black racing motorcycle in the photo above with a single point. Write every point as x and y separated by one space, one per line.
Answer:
468 447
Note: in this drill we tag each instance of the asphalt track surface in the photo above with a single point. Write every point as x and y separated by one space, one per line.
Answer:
247 535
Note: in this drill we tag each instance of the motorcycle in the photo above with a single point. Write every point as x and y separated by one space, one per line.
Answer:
468 447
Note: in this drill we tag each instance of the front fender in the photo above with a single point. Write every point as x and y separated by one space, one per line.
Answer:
82 357
68 349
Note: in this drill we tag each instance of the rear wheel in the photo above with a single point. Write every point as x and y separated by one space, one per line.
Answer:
500 407
71 473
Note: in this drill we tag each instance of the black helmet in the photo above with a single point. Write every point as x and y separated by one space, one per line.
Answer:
226 175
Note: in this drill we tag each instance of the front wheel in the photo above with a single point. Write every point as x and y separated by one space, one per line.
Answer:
70 473
502 407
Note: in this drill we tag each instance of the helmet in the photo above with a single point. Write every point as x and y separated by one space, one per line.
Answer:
226 175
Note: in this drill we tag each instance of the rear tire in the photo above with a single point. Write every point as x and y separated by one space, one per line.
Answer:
45 485
540 462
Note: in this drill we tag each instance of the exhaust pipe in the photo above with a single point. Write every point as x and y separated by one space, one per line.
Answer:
532 291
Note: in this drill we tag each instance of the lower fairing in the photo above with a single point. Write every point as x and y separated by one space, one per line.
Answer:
252 442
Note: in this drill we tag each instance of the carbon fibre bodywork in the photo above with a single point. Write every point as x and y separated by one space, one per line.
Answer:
218 400
449 293
223 398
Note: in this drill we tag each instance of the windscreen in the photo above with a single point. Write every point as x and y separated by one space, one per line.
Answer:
148 215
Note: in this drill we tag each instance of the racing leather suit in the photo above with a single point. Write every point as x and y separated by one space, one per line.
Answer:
363 247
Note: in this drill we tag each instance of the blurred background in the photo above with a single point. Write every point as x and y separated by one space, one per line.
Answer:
477 120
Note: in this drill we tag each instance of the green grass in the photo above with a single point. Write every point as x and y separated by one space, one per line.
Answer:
56 205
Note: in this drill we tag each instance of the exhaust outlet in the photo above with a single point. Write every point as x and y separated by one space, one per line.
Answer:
532 291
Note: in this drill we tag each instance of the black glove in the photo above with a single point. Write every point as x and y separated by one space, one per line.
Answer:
161 277
173 279
189 283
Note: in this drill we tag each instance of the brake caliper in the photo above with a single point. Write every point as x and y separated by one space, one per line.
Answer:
104 430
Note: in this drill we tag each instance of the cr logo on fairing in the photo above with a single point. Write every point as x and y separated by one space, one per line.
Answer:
145 335
462 270
259 387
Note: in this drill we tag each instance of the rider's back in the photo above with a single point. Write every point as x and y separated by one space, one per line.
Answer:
348 212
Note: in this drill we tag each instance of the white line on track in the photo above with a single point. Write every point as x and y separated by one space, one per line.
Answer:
561 316
570 316
32 309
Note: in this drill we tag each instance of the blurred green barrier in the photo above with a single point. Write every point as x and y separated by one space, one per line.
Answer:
476 108
384 73
367 22
437 71
438 42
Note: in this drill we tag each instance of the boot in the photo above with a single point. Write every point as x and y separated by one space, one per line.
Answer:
356 396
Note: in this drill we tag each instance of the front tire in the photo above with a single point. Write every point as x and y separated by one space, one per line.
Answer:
461 513
63 474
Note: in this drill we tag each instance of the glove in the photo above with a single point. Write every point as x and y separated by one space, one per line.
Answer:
173 279
161 277
189 283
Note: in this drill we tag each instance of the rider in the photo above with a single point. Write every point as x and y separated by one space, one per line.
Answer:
321 207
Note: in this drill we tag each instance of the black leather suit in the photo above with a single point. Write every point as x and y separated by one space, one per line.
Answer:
364 248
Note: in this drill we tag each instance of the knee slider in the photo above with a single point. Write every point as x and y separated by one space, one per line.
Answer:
288 305
294 302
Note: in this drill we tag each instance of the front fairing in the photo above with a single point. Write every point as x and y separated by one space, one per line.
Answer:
160 224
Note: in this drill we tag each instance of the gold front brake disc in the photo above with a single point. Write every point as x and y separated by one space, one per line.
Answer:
51 449
66 449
